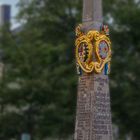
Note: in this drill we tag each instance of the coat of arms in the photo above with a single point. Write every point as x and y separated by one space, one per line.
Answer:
93 50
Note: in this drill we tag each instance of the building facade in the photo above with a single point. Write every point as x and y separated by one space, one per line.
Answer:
5 14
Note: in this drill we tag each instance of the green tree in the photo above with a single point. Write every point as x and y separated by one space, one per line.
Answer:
40 79
38 87
125 78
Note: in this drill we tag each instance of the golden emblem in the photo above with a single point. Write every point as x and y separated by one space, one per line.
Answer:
93 51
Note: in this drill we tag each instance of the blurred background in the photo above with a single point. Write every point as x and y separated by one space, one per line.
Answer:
38 80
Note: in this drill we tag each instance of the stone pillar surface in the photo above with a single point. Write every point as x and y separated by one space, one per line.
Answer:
93 117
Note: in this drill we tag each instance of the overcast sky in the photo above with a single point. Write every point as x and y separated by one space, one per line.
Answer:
14 9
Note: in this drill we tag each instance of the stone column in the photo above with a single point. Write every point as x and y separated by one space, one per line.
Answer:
93 117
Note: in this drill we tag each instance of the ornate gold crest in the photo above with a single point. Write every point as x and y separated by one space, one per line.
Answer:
93 51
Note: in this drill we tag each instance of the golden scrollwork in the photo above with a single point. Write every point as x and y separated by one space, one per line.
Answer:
93 51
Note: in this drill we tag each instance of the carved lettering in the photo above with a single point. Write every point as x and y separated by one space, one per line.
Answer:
93 119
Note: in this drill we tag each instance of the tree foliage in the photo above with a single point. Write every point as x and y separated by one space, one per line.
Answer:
38 86
125 79
39 75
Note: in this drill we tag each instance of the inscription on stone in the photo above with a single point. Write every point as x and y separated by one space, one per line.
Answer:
93 119
83 110
101 112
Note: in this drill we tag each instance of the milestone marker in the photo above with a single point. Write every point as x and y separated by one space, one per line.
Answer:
93 56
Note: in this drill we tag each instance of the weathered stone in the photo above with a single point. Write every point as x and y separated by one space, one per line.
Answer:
93 117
